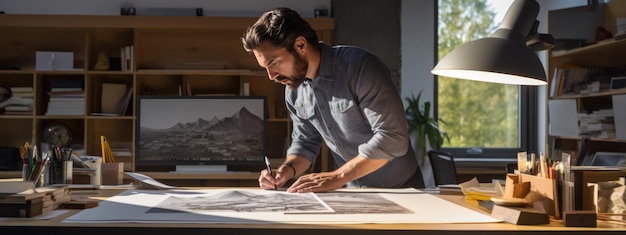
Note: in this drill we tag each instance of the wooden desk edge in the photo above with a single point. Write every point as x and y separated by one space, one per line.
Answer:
56 225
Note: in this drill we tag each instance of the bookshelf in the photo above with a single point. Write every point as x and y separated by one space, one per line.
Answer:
582 76
168 55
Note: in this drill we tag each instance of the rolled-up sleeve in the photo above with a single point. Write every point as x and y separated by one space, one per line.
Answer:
384 111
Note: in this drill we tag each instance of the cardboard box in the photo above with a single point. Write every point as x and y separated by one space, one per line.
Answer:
539 191
54 60
112 173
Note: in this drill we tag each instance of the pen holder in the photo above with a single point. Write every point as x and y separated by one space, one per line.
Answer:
36 174
60 172
26 171
112 173
97 178
30 174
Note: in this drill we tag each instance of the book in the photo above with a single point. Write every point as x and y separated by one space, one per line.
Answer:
555 82
122 105
22 92
21 89
16 101
19 191
112 95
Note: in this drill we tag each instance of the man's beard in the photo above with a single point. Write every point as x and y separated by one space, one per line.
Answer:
299 67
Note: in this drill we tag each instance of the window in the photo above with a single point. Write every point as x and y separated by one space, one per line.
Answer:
485 121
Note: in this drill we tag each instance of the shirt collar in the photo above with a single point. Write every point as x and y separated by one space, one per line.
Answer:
325 70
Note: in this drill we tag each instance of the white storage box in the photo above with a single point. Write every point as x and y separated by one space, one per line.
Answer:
54 60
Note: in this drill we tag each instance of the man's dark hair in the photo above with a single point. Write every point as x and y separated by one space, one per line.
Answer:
280 26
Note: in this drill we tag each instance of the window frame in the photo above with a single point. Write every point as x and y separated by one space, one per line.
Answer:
494 157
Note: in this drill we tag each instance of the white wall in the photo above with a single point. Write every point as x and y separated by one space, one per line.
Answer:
546 6
252 8
417 49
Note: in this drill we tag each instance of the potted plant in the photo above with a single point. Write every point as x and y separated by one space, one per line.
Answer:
426 127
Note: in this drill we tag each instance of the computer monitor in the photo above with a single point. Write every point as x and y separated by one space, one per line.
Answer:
200 133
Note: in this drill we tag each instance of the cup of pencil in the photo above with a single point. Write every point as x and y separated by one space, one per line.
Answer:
34 166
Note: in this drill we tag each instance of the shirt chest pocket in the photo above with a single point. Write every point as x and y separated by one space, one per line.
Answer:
340 105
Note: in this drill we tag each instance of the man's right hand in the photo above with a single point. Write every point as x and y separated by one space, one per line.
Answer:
268 181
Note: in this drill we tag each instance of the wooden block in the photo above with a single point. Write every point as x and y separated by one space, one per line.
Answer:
112 173
24 209
586 218
79 204
519 215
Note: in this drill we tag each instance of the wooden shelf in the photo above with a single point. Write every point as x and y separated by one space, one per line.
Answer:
160 43
603 60
206 176
10 174
144 22
602 53
599 94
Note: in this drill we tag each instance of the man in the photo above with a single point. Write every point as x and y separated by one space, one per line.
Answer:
341 95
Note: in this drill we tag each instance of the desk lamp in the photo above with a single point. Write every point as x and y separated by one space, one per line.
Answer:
507 55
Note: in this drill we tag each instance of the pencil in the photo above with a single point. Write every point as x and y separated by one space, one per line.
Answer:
269 169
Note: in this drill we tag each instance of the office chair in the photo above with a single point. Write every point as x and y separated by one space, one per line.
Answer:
510 167
444 170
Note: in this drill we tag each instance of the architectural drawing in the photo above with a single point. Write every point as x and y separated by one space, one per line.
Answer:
243 201
361 203
237 206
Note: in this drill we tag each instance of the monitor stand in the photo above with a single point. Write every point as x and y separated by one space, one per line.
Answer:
201 169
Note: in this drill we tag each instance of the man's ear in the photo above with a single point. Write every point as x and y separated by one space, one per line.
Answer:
300 45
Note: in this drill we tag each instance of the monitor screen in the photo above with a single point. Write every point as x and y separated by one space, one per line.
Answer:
200 130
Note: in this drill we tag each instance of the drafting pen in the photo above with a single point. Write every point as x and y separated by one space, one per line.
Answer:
269 169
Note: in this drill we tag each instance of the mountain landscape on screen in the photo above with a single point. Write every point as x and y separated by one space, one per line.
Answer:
230 138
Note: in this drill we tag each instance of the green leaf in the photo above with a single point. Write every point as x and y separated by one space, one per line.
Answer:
419 120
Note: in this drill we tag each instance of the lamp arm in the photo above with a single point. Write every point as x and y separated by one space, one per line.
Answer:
519 20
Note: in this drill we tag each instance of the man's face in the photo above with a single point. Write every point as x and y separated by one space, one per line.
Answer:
282 67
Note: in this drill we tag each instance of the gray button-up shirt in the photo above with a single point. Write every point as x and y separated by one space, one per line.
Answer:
355 108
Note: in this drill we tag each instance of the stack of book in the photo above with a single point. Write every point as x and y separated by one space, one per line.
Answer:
599 124
54 196
67 98
20 103
20 199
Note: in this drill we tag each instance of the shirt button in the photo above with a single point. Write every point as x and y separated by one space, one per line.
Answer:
322 107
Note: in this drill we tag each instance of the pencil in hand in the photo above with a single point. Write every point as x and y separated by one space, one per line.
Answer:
269 170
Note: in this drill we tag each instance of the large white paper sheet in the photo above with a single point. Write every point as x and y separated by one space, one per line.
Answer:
351 207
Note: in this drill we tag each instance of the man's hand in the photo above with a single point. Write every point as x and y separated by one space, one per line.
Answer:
285 172
268 181
318 182
328 181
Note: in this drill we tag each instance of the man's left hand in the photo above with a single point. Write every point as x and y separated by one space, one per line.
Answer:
318 182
